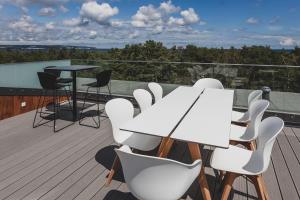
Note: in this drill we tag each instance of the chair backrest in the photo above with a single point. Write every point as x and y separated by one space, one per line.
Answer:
208 83
48 81
119 111
156 90
254 95
103 78
151 178
143 98
256 111
268 131
51 71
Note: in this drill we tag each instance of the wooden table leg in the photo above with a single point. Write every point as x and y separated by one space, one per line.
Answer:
162 145
166 148
196 154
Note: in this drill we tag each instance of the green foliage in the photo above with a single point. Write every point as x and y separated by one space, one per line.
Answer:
126 66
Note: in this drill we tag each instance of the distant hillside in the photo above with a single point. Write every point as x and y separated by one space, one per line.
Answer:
47 47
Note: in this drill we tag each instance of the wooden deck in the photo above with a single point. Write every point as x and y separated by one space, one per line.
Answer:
73 163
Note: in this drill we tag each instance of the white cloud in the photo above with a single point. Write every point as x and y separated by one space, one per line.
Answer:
189 16
147 16
168 7
287 41
41 2
157 30
116 23
50 26
25 23
134 35
75 30
100 13
47 11
93 34
75 22
252 20
175 21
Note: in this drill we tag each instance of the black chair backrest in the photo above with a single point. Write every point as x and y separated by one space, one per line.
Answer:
103 78
52 71
48 81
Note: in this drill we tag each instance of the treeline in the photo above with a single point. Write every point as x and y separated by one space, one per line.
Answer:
247 76
151 50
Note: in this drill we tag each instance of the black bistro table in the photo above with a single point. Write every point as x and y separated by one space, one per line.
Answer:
74 69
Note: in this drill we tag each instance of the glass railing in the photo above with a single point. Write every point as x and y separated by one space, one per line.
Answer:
127 76
283 80
24 75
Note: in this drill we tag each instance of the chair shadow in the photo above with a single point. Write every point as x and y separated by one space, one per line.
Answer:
115 194
105 157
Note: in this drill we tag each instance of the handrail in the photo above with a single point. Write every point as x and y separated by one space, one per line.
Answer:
194 63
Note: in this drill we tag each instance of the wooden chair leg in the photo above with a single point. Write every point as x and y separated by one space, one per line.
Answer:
257 181
253 145
265 189
229 179
114 168
196 154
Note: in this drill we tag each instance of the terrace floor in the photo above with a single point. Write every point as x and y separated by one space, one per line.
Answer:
73 163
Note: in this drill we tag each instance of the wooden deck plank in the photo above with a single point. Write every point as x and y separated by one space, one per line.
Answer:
16 158
61 165
57 174
106 192
9 170
297 132
272 183
79 186
290 160
64 158
286 184
293 141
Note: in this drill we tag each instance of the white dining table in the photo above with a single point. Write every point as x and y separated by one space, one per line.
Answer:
161 118
209 121
192 115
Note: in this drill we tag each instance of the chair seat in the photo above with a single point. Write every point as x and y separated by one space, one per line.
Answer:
240 117
138 141
65 80
239 133
237 160
94 84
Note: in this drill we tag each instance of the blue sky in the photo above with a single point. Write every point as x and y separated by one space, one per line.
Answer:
114 23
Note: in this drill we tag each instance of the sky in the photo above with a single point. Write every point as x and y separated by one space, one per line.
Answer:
114 23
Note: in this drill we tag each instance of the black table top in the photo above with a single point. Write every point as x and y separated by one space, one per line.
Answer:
73 68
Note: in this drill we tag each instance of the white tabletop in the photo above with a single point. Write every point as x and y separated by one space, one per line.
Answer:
161 118
208 121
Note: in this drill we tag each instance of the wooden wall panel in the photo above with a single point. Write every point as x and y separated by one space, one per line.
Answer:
11 105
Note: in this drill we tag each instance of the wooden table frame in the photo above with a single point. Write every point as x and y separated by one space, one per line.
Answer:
195 153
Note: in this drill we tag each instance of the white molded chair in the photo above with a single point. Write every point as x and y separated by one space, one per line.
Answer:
241 117
119 112
238 161
143 98
154 178
247 135
156 90
208 83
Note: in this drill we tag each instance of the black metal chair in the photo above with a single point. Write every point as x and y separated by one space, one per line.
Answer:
57 73
103 79
50 87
